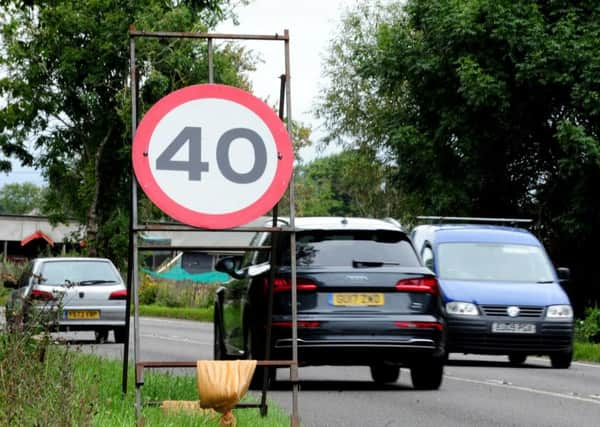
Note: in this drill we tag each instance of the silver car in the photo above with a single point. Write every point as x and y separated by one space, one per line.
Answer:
84 294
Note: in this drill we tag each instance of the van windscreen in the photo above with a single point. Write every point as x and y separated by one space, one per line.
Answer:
493 262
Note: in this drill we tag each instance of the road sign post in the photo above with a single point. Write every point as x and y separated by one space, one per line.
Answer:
214 157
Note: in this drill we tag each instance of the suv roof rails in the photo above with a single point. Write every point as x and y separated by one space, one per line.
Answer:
451 219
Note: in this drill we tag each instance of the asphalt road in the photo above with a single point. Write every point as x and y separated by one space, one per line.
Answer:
477 391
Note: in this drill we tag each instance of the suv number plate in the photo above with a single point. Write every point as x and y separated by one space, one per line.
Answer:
356 300
513 328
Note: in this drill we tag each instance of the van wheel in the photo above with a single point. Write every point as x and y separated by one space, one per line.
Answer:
384 374
517 358
561 360
428 374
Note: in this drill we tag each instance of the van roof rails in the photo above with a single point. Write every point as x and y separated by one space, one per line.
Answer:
450 219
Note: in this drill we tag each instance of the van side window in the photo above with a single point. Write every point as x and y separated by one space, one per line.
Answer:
427 256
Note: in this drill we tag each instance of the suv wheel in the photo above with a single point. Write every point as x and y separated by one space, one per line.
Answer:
517 358
255 350
384 374
428 374
218 353
120 334
561 360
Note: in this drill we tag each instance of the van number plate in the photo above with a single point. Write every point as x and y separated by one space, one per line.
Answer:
513 328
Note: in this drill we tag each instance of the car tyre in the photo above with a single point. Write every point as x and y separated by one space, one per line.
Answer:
517 358
101 335
561 360
384 374
218 350
427 375
255 350
120 334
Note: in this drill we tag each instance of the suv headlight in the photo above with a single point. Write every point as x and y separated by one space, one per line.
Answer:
462 308
563 312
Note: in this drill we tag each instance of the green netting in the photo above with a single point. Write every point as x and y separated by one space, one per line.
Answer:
178 273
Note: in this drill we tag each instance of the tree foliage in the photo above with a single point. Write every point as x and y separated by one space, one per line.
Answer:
350 183
484 107
21 199
65 80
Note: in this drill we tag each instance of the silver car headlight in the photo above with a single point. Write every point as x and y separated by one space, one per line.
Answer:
462 308
562 312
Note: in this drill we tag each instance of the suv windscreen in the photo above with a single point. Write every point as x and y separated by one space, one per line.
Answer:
352 248
84 272
493 262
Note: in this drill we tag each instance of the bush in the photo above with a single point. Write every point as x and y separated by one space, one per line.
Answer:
172 293
148 290
588 329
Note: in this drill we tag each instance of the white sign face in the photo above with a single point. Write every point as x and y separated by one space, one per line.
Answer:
212 156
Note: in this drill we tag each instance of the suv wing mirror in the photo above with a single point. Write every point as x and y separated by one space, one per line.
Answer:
231 265
257 270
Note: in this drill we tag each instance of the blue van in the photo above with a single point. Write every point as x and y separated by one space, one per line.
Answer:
501 293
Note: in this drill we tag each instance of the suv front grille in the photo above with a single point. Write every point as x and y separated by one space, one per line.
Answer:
500 311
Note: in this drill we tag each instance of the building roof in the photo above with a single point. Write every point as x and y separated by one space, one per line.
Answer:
20 228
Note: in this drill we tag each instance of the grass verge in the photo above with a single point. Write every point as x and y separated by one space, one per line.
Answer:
201 314
111 409
586 351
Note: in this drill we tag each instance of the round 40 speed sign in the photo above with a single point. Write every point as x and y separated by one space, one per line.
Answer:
212 156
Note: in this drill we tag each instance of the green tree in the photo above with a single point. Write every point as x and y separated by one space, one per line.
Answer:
350 183
485 107
21 198
66 67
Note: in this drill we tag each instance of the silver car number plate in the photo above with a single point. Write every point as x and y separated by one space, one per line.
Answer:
513 328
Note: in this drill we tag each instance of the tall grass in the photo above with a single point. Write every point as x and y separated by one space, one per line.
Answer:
37 384
45 384
174 293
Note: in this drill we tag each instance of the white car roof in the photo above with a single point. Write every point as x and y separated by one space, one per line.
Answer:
62 259
342 223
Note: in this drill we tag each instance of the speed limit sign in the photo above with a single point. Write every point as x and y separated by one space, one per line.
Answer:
212 156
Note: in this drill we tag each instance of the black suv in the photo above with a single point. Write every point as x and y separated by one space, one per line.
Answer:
364 298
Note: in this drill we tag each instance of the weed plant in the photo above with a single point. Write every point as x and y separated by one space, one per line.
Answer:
587 330
37 385
173 293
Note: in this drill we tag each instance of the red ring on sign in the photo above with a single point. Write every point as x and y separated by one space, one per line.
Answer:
143 172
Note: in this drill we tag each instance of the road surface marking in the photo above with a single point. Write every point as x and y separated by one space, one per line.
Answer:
175 338
503 384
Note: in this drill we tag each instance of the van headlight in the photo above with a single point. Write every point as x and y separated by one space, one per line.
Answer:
462 308
562 312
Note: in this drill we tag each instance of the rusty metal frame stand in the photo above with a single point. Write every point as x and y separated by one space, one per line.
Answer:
135 228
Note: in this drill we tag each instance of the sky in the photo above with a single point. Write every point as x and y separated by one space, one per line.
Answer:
311 25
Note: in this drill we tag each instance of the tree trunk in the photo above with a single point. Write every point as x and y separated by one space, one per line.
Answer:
92 218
